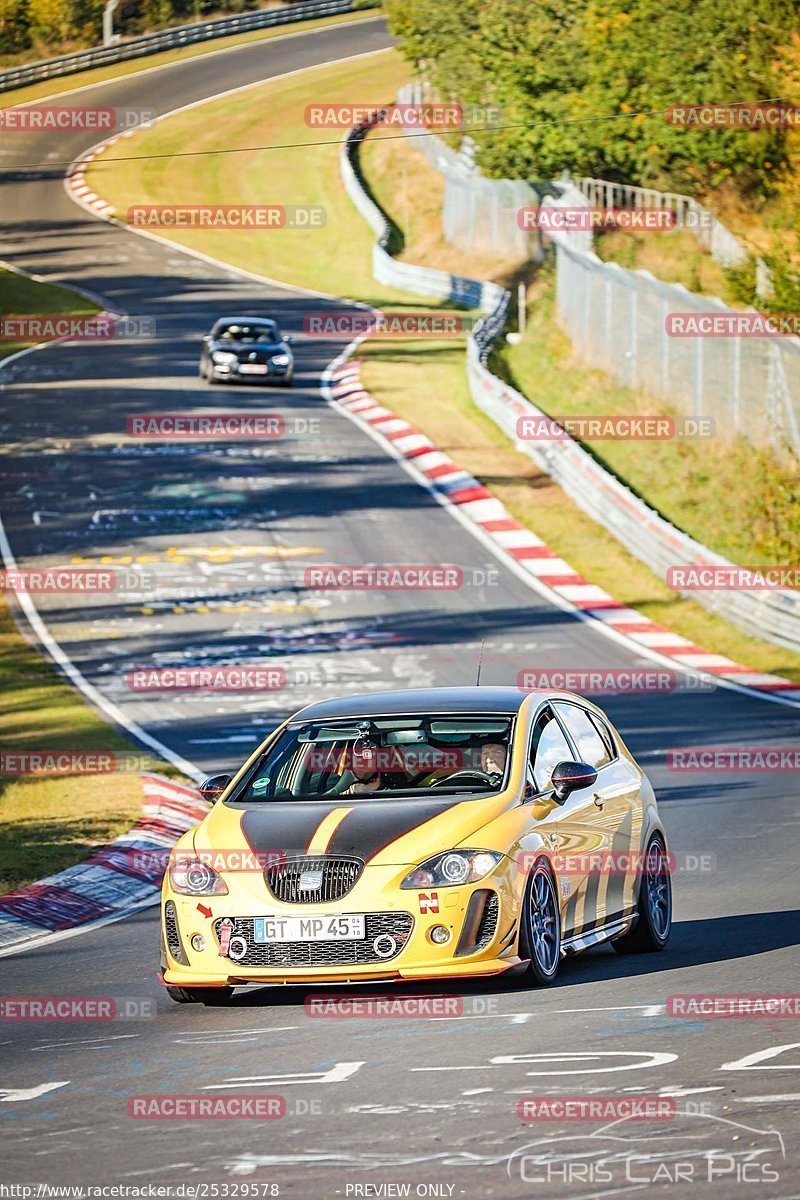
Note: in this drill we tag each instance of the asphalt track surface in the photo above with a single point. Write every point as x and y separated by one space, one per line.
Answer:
427 1103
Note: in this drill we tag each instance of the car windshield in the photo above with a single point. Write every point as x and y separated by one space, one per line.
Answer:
239 331
382 758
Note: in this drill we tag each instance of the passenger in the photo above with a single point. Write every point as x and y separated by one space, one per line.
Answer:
493 761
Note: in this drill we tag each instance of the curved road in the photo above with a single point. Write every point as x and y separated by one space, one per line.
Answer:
373 1105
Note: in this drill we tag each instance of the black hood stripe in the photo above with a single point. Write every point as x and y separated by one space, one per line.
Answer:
371 826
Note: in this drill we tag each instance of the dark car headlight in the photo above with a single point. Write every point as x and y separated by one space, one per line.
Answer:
224 356
281 360
452 868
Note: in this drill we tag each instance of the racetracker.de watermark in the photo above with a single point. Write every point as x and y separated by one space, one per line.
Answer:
597 1108
78 327
227 216
388 325
400 1007
730 578
186 426
623 427
553 218
734 116
734 758
242 678
623 863
707 1004
732 324
30 118
425 115
76 1008
74 580
205 1108
72 762
399 577
610 681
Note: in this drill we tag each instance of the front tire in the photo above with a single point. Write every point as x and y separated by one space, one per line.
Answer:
652 930
541 918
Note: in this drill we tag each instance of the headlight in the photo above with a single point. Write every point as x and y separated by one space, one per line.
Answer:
280 360
224 356
452 868
191 877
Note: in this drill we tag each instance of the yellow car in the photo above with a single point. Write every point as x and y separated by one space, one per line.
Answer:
445 832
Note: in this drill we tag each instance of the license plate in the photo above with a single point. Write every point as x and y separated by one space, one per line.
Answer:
253 369
309 929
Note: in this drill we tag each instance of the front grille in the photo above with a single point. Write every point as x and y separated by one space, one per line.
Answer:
323 954
172 934
335 876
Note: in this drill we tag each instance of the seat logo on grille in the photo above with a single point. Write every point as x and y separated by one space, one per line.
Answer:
310 881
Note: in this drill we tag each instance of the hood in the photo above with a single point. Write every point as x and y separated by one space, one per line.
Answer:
381 832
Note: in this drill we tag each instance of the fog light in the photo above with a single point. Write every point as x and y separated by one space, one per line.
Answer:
198 943
439 934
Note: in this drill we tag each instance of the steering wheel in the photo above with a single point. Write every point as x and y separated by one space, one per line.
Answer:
480 776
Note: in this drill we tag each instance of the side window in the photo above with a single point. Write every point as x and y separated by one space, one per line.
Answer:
548 747
605 734
591 748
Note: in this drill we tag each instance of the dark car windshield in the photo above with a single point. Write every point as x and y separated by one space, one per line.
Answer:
382 758
238 331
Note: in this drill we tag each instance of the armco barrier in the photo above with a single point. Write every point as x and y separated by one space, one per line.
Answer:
171 39
773 614
424 281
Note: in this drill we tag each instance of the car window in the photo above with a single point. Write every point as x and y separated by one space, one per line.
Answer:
548 747
383 758
605 734
588 742
239 332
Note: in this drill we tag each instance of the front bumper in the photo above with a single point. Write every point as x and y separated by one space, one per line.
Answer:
230 372
481 919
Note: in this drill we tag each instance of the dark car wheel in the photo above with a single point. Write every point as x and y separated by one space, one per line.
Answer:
653 927
541 925
208 996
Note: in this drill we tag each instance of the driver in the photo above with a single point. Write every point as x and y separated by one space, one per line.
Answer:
493 761
368 766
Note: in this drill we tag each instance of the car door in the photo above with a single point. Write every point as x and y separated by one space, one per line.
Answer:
611 810
577 833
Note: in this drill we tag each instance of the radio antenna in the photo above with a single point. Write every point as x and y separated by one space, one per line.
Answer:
480 662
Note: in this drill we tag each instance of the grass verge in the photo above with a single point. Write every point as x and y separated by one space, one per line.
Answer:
81 79
673 256
21 296
48 823
335 257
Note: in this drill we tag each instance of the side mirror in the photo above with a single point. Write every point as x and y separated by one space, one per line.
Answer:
207 338
289 340
211 789
569 777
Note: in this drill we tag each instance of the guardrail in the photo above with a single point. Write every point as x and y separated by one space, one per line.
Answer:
170 39
424 281
773 614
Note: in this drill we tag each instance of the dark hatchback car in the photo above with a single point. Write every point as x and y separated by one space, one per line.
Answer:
247 349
